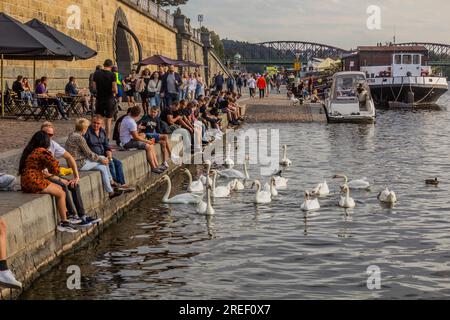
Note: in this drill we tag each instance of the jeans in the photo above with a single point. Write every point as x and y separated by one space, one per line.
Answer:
104 170
76 198
170 97
155 101
116 169
261 93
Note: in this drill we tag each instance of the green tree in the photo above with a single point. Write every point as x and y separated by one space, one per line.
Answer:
168 3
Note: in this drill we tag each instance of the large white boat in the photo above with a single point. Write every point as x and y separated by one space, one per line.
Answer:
398 74
349 99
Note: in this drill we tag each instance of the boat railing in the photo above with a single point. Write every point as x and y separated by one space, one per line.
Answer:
408 80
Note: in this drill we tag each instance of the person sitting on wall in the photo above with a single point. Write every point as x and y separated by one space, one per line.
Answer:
99 144
87 160
155 128
36 158
131 139
76 212
7 278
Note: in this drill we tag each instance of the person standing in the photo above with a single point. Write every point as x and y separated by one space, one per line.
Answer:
230 83
192 87
130 87
170 87
104 82
239 83
261 84
154 90
142 88
219 81
252 86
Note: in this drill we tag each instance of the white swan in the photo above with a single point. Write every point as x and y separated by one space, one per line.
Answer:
387 196
237 185
229 163
221 191
235 174
271 187
361 184
321 190
185 198
285 162
280 182
262 197
194 186
202 178
346 201
310 204
206 207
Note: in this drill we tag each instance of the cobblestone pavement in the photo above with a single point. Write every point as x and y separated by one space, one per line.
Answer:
15 134
278 108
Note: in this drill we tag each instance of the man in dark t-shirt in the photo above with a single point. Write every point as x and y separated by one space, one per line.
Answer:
104 82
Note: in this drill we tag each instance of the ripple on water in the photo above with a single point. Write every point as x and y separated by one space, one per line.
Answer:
278 252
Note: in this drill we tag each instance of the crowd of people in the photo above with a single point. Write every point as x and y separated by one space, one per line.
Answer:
170 103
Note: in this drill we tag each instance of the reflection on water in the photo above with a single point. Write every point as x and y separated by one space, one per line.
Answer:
276 251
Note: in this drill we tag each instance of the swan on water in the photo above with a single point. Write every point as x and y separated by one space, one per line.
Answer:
235 174
221 191
285 162
261 197
237 185
387 196
185 198
346 201
361 184
280 182
229 163
310 204
271 187
194 186
206 207
321 190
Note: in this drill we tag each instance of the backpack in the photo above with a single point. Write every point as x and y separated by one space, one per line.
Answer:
116 132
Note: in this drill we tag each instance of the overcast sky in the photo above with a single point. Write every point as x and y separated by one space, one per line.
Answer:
335 22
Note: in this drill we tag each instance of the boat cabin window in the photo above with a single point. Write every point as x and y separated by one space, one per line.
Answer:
416 59
407 59
345 87
398 59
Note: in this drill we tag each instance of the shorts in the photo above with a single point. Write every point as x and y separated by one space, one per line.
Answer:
133 144
155 136
106 108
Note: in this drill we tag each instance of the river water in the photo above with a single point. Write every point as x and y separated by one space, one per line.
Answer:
277 252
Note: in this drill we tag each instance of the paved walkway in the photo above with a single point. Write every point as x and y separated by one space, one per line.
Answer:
278 108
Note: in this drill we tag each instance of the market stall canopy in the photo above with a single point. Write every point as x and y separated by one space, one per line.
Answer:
20 42
78 50
327 64
158 60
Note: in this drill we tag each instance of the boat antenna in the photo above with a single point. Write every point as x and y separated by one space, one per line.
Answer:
395 33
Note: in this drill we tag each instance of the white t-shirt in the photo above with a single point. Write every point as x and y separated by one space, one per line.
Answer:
56 149
192 84
127 126
252 83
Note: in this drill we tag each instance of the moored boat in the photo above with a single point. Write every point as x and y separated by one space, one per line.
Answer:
349 99
398 74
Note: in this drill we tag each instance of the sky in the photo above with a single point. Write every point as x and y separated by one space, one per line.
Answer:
342 23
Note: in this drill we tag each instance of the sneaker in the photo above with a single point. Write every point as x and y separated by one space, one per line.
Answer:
66 226
163 167
157 171
73 219
92 220
115 194
8 280
84 224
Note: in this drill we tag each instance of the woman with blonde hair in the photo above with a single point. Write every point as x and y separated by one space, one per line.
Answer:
87 160
142 88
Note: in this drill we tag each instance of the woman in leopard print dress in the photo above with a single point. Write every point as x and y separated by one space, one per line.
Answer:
35 159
